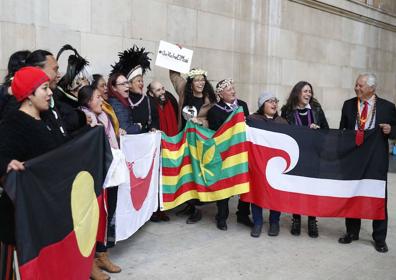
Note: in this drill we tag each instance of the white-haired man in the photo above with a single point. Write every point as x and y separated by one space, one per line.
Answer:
363 112
217 115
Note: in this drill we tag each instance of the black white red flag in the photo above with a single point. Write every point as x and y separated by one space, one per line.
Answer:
58 201
317 172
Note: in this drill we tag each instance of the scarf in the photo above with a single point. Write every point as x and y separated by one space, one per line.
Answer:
102 119
106 107
167 119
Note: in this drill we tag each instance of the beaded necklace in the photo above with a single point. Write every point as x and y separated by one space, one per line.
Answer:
361 122
133 105
228 110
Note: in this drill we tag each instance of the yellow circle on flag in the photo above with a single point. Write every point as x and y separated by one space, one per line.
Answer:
85 212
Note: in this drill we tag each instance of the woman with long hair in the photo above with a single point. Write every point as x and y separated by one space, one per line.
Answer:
196 97
302 109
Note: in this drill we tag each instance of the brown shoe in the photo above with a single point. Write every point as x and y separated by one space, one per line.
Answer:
104 263
97 274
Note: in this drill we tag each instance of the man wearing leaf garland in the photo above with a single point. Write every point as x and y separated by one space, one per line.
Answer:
133 64
217 115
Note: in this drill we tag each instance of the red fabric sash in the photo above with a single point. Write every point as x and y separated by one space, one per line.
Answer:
167 119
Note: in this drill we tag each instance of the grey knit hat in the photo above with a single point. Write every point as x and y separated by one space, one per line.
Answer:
265 96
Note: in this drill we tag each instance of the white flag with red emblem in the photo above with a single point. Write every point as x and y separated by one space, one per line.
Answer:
137 198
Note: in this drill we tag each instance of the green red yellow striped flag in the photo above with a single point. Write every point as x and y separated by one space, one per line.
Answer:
199 163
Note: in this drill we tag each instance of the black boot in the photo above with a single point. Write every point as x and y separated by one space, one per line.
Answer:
348 238
244 220
273 229
296 225
194 217
312 227
256 230
187 210
155 217
221 224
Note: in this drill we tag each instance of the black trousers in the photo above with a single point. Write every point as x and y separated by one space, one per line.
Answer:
223 212
380 227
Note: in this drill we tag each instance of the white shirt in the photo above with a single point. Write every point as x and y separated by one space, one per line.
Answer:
370 104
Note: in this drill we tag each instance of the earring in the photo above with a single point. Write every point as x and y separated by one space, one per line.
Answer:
30 103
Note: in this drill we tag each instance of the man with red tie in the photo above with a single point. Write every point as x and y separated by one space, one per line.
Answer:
363 112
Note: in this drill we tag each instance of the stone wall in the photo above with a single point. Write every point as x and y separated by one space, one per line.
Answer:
261 44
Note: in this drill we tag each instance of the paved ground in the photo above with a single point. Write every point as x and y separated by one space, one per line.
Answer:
175 250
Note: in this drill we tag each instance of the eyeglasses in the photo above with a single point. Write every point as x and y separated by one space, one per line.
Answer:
123 84
273 101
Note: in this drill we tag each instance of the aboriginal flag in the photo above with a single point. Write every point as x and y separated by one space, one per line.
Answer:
57 208
317 172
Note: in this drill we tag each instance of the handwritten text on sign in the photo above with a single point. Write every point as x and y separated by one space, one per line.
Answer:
174 58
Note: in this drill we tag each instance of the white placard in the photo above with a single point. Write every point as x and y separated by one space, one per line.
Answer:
174 58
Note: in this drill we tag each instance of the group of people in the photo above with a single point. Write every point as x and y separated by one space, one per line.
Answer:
40 110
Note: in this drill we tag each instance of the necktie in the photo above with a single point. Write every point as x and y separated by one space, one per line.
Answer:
362 122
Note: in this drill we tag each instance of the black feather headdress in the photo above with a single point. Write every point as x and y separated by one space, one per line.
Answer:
131 59
75 65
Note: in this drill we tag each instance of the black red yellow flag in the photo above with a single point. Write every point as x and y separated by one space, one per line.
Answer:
57 203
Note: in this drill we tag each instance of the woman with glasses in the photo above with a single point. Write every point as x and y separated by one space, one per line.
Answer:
267 112
133 64
302 109
118 91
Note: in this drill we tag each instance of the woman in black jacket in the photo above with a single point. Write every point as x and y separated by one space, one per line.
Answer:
302 109
23 136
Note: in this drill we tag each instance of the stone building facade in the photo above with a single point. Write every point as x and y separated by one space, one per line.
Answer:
261 44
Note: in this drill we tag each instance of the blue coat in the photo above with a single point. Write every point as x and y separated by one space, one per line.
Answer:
124 115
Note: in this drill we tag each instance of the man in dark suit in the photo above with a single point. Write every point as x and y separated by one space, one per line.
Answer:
363 112
217 115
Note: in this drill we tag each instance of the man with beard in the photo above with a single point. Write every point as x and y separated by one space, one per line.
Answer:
166 106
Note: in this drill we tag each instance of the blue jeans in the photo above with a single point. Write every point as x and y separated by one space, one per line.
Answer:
257 213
